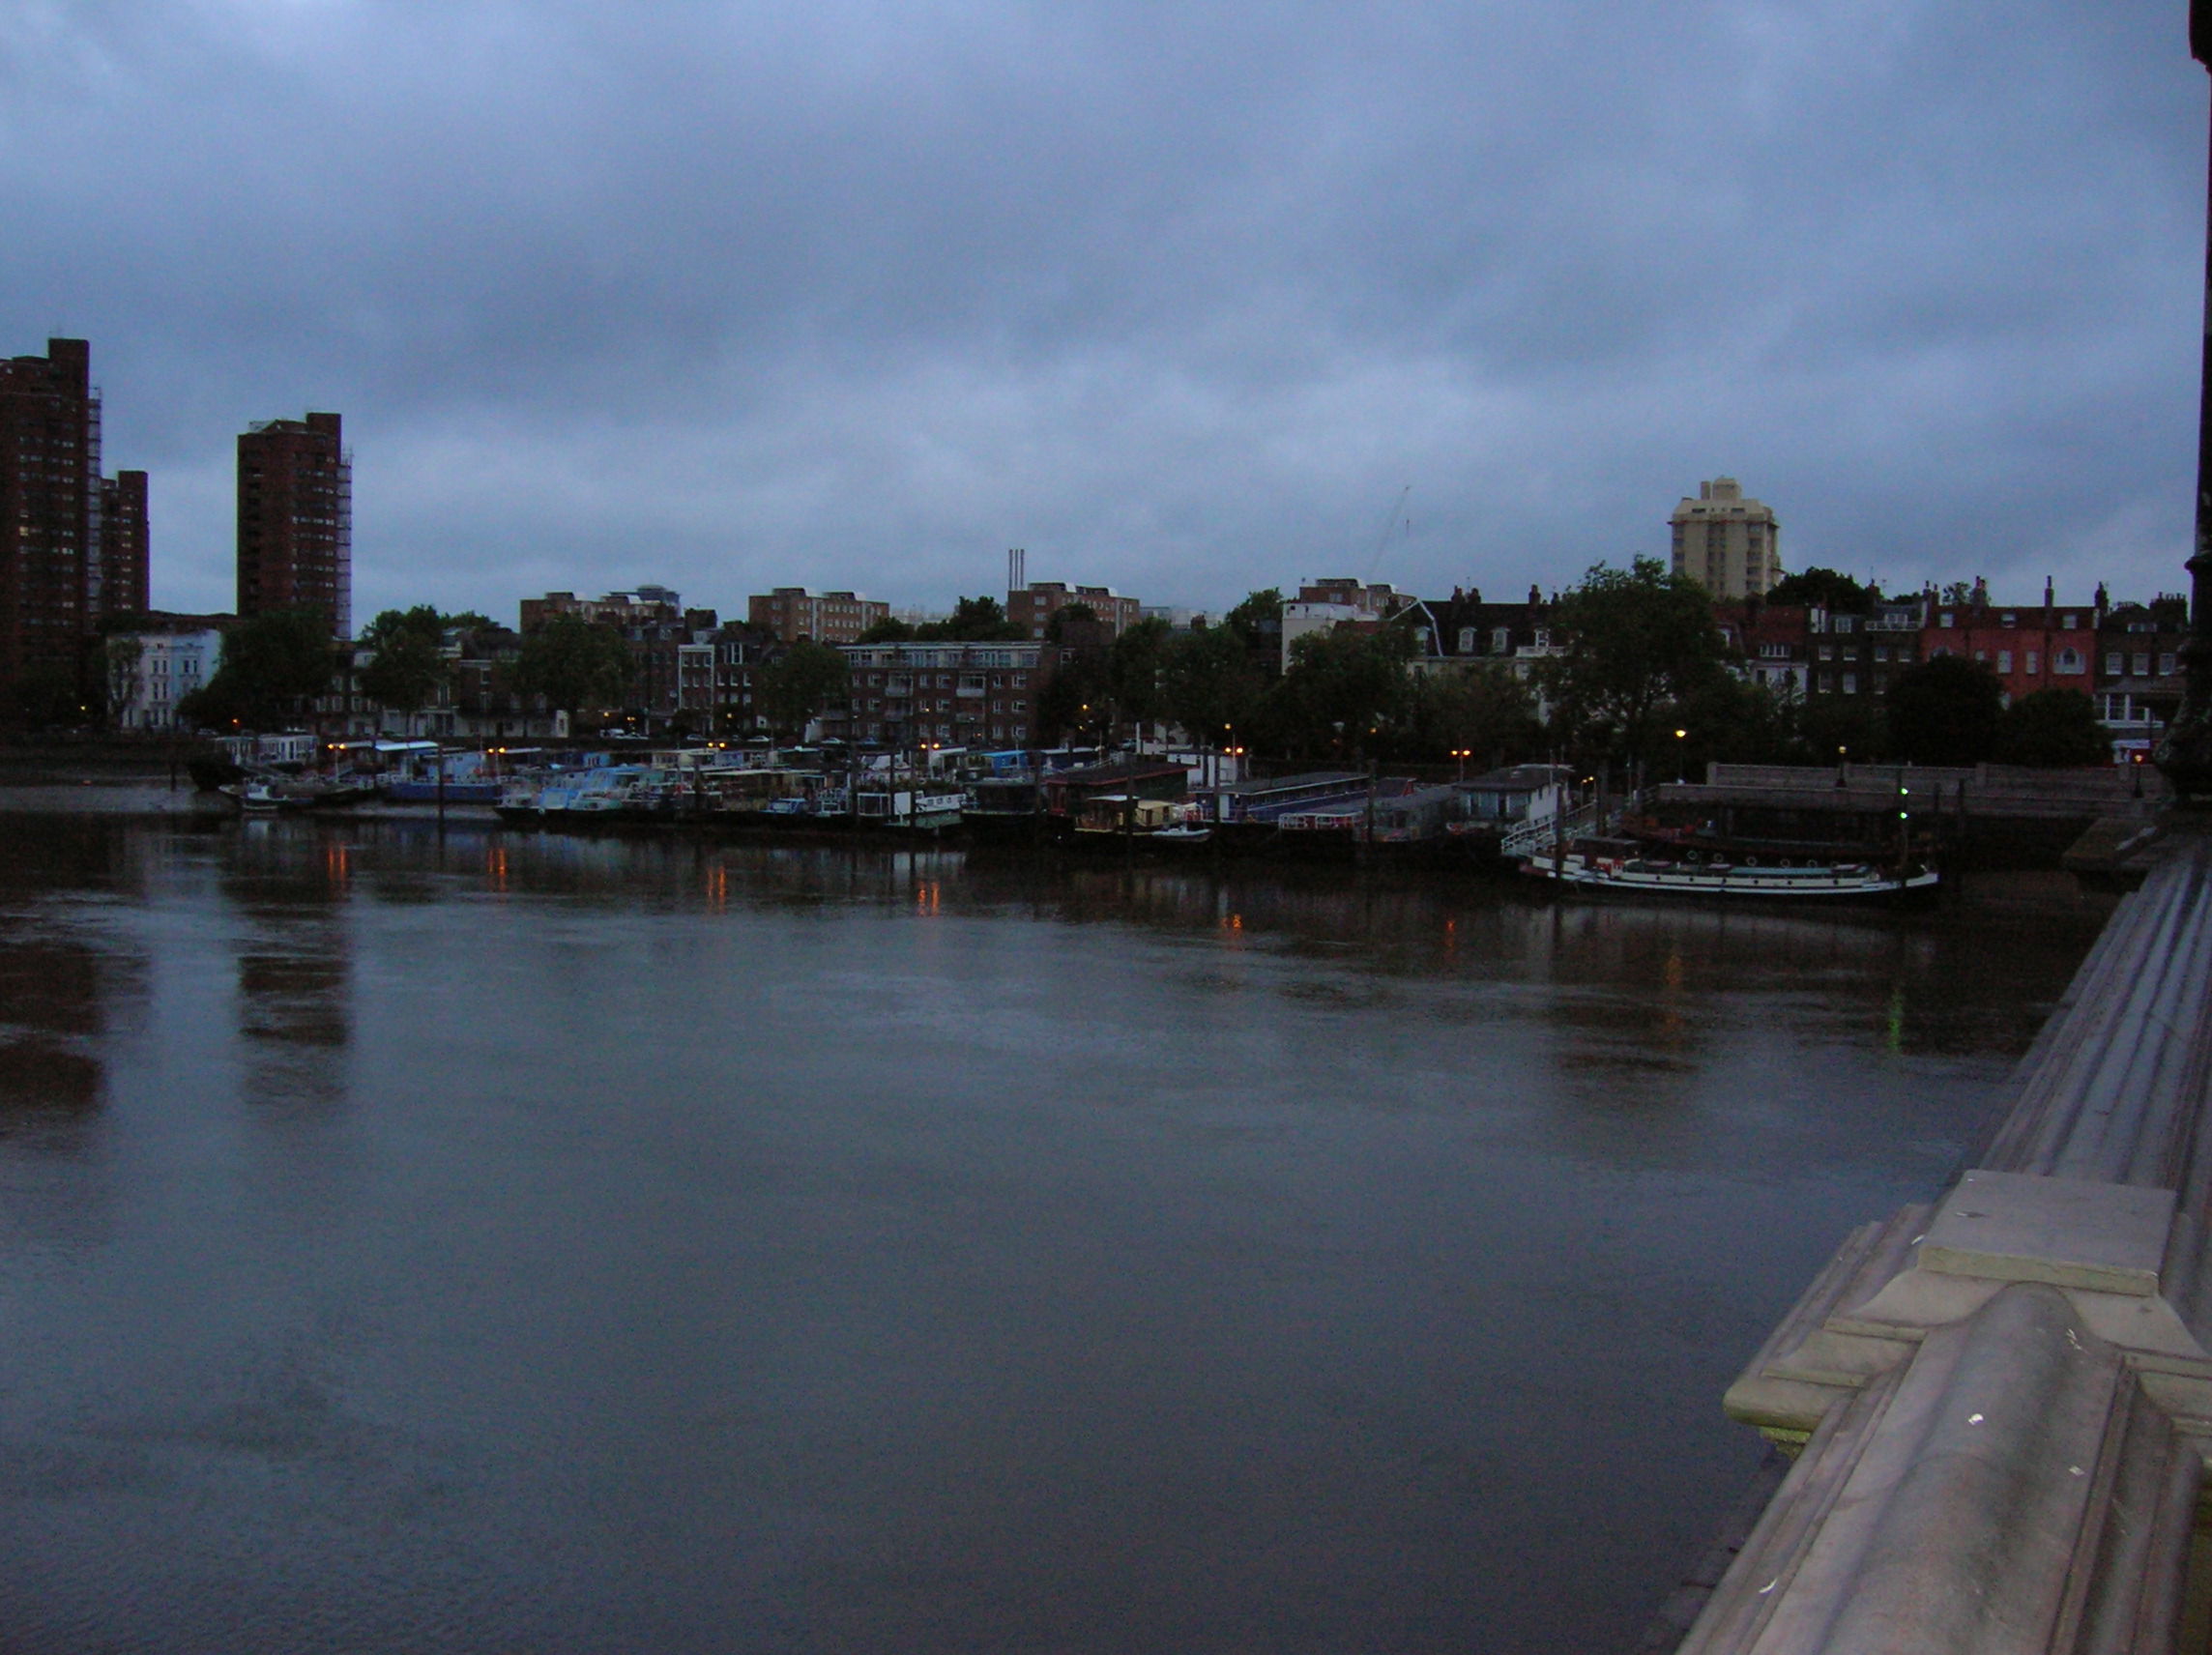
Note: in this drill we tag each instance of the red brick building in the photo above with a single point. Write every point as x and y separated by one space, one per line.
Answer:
295 520
792 613
1031 607
124 561
2031 646
642 607
50 500
962 695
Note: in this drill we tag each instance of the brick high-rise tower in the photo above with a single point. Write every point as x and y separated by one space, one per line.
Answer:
295 520
49 517
123 549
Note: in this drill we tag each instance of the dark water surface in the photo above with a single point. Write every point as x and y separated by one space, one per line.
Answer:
499 1243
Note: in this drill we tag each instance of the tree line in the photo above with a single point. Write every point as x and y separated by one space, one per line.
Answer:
1641 677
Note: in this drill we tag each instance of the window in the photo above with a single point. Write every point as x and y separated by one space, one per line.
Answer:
2113 663
2034 663
1845 623
1501 640
2068 661
2142 665
1827 652
1850 683
2004 662
1882 652
1943 620
2166 663
1981 654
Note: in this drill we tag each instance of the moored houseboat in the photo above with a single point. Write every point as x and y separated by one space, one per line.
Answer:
1601 863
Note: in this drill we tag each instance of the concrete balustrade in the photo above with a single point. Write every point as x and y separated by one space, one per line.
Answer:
2001 1406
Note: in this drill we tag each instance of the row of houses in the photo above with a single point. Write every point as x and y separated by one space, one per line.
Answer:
690 671
2128 657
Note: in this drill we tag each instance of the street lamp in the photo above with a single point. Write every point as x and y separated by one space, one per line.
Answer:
1462 754
1682 755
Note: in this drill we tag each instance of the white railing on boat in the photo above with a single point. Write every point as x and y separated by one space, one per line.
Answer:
1529 838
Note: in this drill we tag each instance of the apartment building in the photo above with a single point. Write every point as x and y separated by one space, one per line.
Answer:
792 612
1031 607
295 520
958 694
638 606
51 498
1336 600
125 558
1730 545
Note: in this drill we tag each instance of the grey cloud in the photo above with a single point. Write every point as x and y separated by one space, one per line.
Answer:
1177 295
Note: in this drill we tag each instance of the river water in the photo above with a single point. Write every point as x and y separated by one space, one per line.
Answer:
488 1242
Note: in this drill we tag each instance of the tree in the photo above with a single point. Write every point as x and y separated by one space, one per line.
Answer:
801 684
1734 720
1078 699
574 664
1632 643
271 666
1346 696
2053 728
409 663
1055 630
121 658
1209 684
1258 624
891 630
974 620
1133 667
45 696
1484 712
1945 711
1825 587
1854 728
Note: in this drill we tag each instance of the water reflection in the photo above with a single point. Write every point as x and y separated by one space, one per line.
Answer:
574 1243
70 992
51 1015
293 961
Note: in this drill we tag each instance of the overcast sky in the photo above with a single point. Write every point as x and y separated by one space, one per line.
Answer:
1179 297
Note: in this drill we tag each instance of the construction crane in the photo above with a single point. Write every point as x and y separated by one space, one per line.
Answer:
1383 540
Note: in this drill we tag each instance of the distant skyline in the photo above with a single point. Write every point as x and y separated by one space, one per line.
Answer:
1178 298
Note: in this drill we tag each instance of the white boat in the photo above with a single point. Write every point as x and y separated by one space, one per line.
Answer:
1606 864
